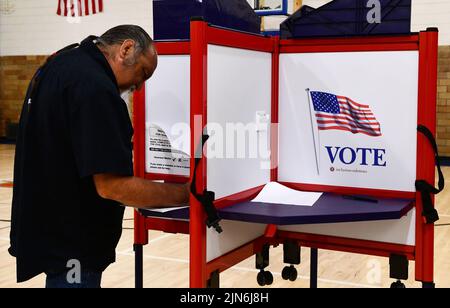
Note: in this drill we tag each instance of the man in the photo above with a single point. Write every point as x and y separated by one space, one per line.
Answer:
73 165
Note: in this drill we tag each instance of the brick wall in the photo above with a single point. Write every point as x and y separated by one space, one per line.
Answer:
15 74
443 103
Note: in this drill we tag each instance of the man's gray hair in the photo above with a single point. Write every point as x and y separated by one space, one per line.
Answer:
119 34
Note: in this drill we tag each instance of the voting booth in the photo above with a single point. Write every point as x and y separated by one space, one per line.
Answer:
336 121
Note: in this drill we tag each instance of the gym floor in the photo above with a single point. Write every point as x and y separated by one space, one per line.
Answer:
166 257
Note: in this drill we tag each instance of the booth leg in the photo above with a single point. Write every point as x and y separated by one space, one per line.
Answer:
262 261
139 266
313 270
214 280
398 268
291 255
428 285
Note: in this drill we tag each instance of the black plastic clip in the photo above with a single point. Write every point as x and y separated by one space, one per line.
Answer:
207 197
426 190
213 219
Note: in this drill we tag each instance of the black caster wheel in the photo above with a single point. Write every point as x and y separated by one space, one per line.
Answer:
264 278
261 278
293 275
269 278
285 274
428 285
398 285
289 273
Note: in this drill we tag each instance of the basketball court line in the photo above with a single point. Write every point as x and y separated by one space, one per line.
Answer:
130 250
130 253
244 269
6 184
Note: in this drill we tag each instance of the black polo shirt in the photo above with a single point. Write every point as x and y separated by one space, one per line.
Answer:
77 126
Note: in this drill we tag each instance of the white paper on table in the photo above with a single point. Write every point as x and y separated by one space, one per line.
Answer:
166 209
276 193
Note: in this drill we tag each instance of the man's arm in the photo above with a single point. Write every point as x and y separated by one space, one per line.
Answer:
140 193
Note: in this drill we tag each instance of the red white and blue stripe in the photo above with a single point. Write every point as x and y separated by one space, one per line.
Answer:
335 112
80 8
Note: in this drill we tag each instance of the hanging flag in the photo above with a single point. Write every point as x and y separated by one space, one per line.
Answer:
79 8
342 113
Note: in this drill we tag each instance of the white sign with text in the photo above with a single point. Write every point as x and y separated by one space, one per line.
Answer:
349 119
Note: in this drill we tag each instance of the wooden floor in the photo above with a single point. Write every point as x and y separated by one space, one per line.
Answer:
166 257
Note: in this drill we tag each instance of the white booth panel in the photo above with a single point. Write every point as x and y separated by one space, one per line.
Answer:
385 82
167 117
239 95
400 231
234 235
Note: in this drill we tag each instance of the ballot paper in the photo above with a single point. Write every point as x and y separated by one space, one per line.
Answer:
276 193
167 209
272 192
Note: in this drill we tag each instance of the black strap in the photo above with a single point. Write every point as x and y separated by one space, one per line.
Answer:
208 197
429 212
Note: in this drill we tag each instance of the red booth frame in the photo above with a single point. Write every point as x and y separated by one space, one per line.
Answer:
426 43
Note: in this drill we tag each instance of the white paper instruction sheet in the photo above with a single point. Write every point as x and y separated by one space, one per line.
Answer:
274 192
162 157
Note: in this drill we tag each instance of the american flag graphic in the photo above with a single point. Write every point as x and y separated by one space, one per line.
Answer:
342 113
79 7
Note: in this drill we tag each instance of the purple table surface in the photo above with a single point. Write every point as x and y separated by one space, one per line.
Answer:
330 208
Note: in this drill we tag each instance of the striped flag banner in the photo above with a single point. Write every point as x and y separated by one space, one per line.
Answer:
335 112
79 8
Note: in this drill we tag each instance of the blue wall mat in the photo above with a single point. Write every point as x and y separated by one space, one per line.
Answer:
348 18
171 18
